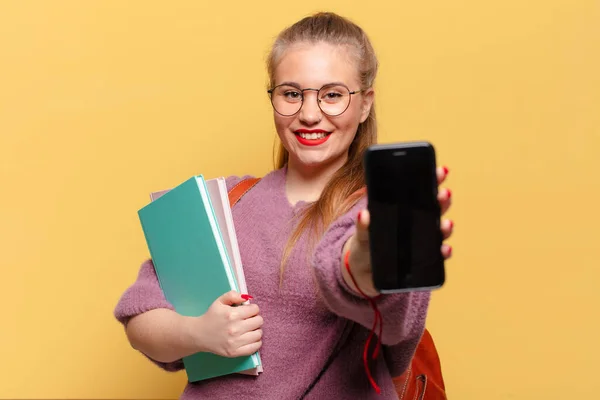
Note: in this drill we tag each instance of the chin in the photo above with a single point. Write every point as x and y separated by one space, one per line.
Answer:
313 162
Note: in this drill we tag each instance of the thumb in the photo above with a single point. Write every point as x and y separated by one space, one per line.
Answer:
362 227
232 298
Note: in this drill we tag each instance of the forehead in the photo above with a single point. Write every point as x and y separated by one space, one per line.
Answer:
314 65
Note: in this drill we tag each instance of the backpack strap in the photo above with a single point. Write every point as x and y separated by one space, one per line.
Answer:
240 189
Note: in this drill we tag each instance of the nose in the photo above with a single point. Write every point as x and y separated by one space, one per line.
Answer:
310 113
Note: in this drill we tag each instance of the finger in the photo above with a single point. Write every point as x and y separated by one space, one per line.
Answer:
362 226
247 311
442 173
249 349
446 251
251 324
250 337
447 227
232 297
445 199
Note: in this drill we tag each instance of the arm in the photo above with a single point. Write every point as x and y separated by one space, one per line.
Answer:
151 324
403 313
163 335
399 357
155 329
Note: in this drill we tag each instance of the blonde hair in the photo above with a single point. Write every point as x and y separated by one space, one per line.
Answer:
339 194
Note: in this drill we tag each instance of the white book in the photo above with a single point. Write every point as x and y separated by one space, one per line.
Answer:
217 190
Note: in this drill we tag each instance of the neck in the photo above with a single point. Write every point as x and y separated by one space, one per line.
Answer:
306 183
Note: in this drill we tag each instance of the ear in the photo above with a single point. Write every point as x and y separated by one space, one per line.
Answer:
367 102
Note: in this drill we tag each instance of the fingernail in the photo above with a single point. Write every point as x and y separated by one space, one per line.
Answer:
246 297
359 213
446 170
451 224
449 251
449 193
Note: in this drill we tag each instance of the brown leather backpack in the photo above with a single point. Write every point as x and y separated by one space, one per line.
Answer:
423 380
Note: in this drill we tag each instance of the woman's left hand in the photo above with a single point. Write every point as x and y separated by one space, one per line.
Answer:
358 244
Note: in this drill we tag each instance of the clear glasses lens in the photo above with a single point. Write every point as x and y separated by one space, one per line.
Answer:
287 100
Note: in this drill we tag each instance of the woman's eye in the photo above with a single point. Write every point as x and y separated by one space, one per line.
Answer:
332 97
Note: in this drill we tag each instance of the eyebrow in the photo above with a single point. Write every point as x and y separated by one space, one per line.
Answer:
297 85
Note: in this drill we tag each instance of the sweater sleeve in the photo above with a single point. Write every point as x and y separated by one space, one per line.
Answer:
398 357
403 314
143 295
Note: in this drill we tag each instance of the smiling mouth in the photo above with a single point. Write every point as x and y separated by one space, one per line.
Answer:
312 136
312 139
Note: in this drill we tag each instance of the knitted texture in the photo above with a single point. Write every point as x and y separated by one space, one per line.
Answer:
305 316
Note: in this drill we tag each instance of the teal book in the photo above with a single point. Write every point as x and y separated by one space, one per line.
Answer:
193 265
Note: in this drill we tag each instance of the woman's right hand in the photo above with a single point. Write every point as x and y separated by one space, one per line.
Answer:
227 330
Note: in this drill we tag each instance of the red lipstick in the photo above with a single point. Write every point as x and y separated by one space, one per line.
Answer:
311 142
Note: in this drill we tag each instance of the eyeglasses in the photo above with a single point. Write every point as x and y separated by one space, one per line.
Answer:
333 99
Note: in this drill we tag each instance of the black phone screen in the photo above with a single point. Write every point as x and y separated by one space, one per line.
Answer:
405 237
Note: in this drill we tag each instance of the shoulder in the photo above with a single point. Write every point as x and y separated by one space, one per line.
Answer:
269 180
233 180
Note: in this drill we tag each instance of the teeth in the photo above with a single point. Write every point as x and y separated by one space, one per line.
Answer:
312 136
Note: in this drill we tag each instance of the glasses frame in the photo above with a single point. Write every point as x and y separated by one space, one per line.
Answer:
350 93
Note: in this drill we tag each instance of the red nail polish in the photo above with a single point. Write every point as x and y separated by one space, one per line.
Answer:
359 213
246 297
449 251
449 193
451 224
446 170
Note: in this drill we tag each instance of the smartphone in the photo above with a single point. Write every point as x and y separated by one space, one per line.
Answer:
404 232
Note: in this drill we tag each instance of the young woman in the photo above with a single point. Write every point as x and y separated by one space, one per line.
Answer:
295 228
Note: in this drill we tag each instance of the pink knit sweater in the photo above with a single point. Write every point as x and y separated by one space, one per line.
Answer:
305 317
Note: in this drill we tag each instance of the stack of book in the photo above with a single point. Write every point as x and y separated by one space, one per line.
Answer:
191 238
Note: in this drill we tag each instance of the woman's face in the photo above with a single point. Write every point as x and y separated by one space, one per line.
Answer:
313 138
